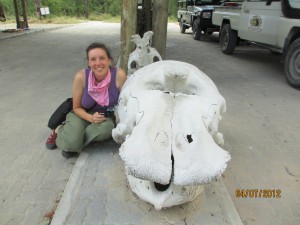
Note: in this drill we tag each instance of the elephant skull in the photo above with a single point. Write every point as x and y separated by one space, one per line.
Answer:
167 125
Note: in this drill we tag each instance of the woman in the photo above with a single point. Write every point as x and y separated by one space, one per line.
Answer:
95 92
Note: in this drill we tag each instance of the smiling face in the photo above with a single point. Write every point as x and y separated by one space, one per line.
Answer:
98 61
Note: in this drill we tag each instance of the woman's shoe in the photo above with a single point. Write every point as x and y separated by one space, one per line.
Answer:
51 142
69 154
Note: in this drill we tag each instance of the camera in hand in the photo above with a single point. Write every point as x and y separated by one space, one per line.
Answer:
109 112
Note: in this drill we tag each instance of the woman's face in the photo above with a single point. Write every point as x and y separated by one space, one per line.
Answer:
99 62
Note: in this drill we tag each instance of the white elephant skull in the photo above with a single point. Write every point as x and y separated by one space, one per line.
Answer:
168 116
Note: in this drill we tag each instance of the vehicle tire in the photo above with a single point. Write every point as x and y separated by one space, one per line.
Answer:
182 27
196 30
292 64
228 39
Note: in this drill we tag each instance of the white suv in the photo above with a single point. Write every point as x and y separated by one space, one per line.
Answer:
272 24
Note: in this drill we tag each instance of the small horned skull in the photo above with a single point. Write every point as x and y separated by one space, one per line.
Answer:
143 54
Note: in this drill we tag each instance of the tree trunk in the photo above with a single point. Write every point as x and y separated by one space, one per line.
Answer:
128 28
86 7
159 25
144 17
2 16
24 12
17 14
78 7
147 6
37 6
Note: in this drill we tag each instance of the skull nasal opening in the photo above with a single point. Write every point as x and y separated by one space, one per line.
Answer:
164 187
189 138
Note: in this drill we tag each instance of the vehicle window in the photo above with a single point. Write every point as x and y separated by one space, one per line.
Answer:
181 4
207 2
263 0
294 4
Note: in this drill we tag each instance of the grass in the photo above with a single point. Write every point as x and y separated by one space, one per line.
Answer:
73 20
67 19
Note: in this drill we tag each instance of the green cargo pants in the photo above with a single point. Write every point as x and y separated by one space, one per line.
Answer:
77 133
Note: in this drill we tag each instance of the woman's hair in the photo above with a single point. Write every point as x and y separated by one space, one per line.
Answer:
98 45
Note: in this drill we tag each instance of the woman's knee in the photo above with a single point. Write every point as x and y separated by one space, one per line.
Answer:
70 136
69 140
100 131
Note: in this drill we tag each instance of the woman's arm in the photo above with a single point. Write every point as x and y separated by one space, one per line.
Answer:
121 78
77 92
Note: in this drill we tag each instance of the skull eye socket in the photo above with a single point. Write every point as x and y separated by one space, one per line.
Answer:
155 59
133 65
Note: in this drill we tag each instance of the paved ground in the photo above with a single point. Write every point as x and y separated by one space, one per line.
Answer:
260 126
98 193
36 73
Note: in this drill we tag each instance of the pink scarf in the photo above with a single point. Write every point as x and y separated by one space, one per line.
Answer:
99 92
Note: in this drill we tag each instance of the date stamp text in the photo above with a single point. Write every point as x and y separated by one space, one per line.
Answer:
258 193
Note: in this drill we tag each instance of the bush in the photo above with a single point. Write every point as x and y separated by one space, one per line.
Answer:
76 8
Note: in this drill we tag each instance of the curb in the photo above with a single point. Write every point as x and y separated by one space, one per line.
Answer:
230 214
34 30
71 190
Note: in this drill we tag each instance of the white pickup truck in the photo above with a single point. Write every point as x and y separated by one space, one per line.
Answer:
272 24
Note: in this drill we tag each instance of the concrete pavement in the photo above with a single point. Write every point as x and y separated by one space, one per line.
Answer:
98 193
260 130
32 85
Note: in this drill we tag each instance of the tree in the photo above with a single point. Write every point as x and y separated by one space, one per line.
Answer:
86 8
159 26
128 28
37 5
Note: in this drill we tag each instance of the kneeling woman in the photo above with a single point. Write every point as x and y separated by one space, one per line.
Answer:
95 91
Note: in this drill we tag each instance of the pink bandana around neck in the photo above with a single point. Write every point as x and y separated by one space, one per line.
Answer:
99 92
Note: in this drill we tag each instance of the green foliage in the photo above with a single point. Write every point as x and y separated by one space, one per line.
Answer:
76 8
172 8
8 7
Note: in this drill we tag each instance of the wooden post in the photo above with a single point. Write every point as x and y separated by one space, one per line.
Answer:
24 12
159 26
17 14
128 28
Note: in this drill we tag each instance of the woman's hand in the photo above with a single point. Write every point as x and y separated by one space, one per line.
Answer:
98 118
